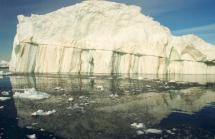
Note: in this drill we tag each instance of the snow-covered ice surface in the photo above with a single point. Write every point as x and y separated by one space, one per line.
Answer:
31 94
105 37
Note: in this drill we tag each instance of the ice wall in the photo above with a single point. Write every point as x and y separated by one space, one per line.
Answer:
105 37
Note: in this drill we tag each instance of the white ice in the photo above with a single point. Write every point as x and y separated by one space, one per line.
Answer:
105 37
43 113
31 94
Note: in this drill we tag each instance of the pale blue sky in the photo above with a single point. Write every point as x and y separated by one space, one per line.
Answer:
181 16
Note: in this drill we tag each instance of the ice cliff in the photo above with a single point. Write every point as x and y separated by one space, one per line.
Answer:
105 37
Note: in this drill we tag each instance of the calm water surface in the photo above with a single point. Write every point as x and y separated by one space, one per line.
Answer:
104 107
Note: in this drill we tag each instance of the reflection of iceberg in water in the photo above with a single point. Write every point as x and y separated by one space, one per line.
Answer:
106 117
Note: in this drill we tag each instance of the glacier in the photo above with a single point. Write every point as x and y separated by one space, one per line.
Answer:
95 37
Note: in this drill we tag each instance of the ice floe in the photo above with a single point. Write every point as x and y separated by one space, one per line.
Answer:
43 113
31 94
1 107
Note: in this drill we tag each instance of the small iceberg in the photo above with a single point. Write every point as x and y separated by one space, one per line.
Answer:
31 94
43 113
1 107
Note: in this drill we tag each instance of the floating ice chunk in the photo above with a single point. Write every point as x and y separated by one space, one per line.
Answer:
31 94
114 95
148 86
43 113
71 99
172 81
5 93
138 125
153 131
99 87
4 98
140 132
33 136
170 132
59 88
1 107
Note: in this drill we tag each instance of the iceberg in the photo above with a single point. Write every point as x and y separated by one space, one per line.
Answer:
95 37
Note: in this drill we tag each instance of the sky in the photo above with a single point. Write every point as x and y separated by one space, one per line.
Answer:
180 16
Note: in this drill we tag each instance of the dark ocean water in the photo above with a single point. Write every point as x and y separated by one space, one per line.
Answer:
105 106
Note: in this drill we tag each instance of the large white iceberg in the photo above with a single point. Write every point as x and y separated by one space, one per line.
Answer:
105 37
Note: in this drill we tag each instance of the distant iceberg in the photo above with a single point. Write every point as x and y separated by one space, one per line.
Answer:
105 37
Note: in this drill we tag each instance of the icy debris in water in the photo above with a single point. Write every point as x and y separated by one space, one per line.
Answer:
41 129
170 132
29 127
148 86
99 87
138 125
71 99
4 98
114 95
33 136
83 97
59 88
43 113
1 107
31 94
172 81
153 131
140 132
5 93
